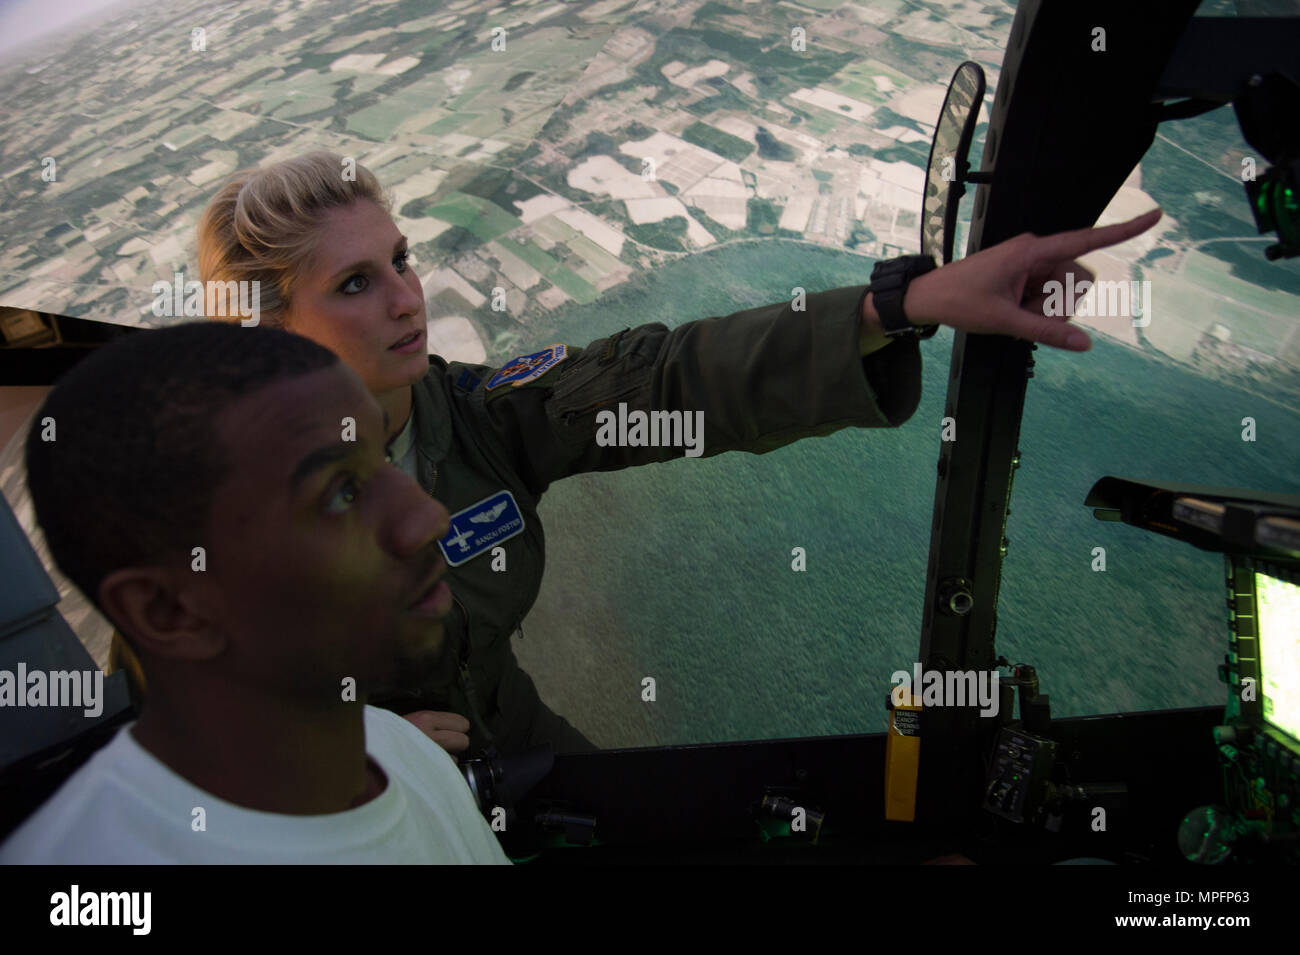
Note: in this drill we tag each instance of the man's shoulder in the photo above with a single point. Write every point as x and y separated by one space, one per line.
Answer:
434 788
80 823
393 736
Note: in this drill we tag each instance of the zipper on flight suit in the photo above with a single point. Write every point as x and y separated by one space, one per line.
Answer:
466 681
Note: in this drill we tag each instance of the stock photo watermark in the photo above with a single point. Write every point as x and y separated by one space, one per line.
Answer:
1104 299
75 907
946 688
651 429
212 299
62 688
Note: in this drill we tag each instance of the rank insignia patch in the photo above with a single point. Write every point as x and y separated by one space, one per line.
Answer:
467 380
525 368
480 527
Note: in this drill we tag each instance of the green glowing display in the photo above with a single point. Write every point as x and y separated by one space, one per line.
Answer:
1278 604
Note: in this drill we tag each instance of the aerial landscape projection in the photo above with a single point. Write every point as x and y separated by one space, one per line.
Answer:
563 171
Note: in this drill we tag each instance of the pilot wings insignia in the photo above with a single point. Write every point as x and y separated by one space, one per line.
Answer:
490 515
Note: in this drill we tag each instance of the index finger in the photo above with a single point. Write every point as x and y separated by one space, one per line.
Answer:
1071 245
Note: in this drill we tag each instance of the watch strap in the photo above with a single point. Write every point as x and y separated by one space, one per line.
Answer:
889 281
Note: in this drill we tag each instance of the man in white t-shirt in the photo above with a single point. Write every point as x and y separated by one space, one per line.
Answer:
221 494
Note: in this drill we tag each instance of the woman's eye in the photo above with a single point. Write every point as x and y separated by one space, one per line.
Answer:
342 499
401 262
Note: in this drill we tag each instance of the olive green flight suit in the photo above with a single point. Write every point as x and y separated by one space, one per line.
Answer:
763 377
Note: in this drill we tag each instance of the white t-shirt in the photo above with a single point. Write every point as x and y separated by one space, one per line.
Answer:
402 451
125 806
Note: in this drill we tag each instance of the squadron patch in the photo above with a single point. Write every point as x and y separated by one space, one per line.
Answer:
481 526
525 368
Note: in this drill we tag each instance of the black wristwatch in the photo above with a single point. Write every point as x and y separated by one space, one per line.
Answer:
889 282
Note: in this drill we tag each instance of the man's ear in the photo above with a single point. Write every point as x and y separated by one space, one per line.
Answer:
164 610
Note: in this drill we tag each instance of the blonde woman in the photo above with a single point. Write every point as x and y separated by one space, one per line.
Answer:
488 441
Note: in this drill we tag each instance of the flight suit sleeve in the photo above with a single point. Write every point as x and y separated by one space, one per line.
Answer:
760 379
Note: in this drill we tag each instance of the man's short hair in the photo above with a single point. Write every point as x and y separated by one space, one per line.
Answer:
135 461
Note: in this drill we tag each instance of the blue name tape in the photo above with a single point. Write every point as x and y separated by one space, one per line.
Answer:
480 527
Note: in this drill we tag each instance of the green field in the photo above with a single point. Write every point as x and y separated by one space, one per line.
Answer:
379 121
715 140
821 124
1215 275
485 219
554 272
600 260
855 80
449 124
549 227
